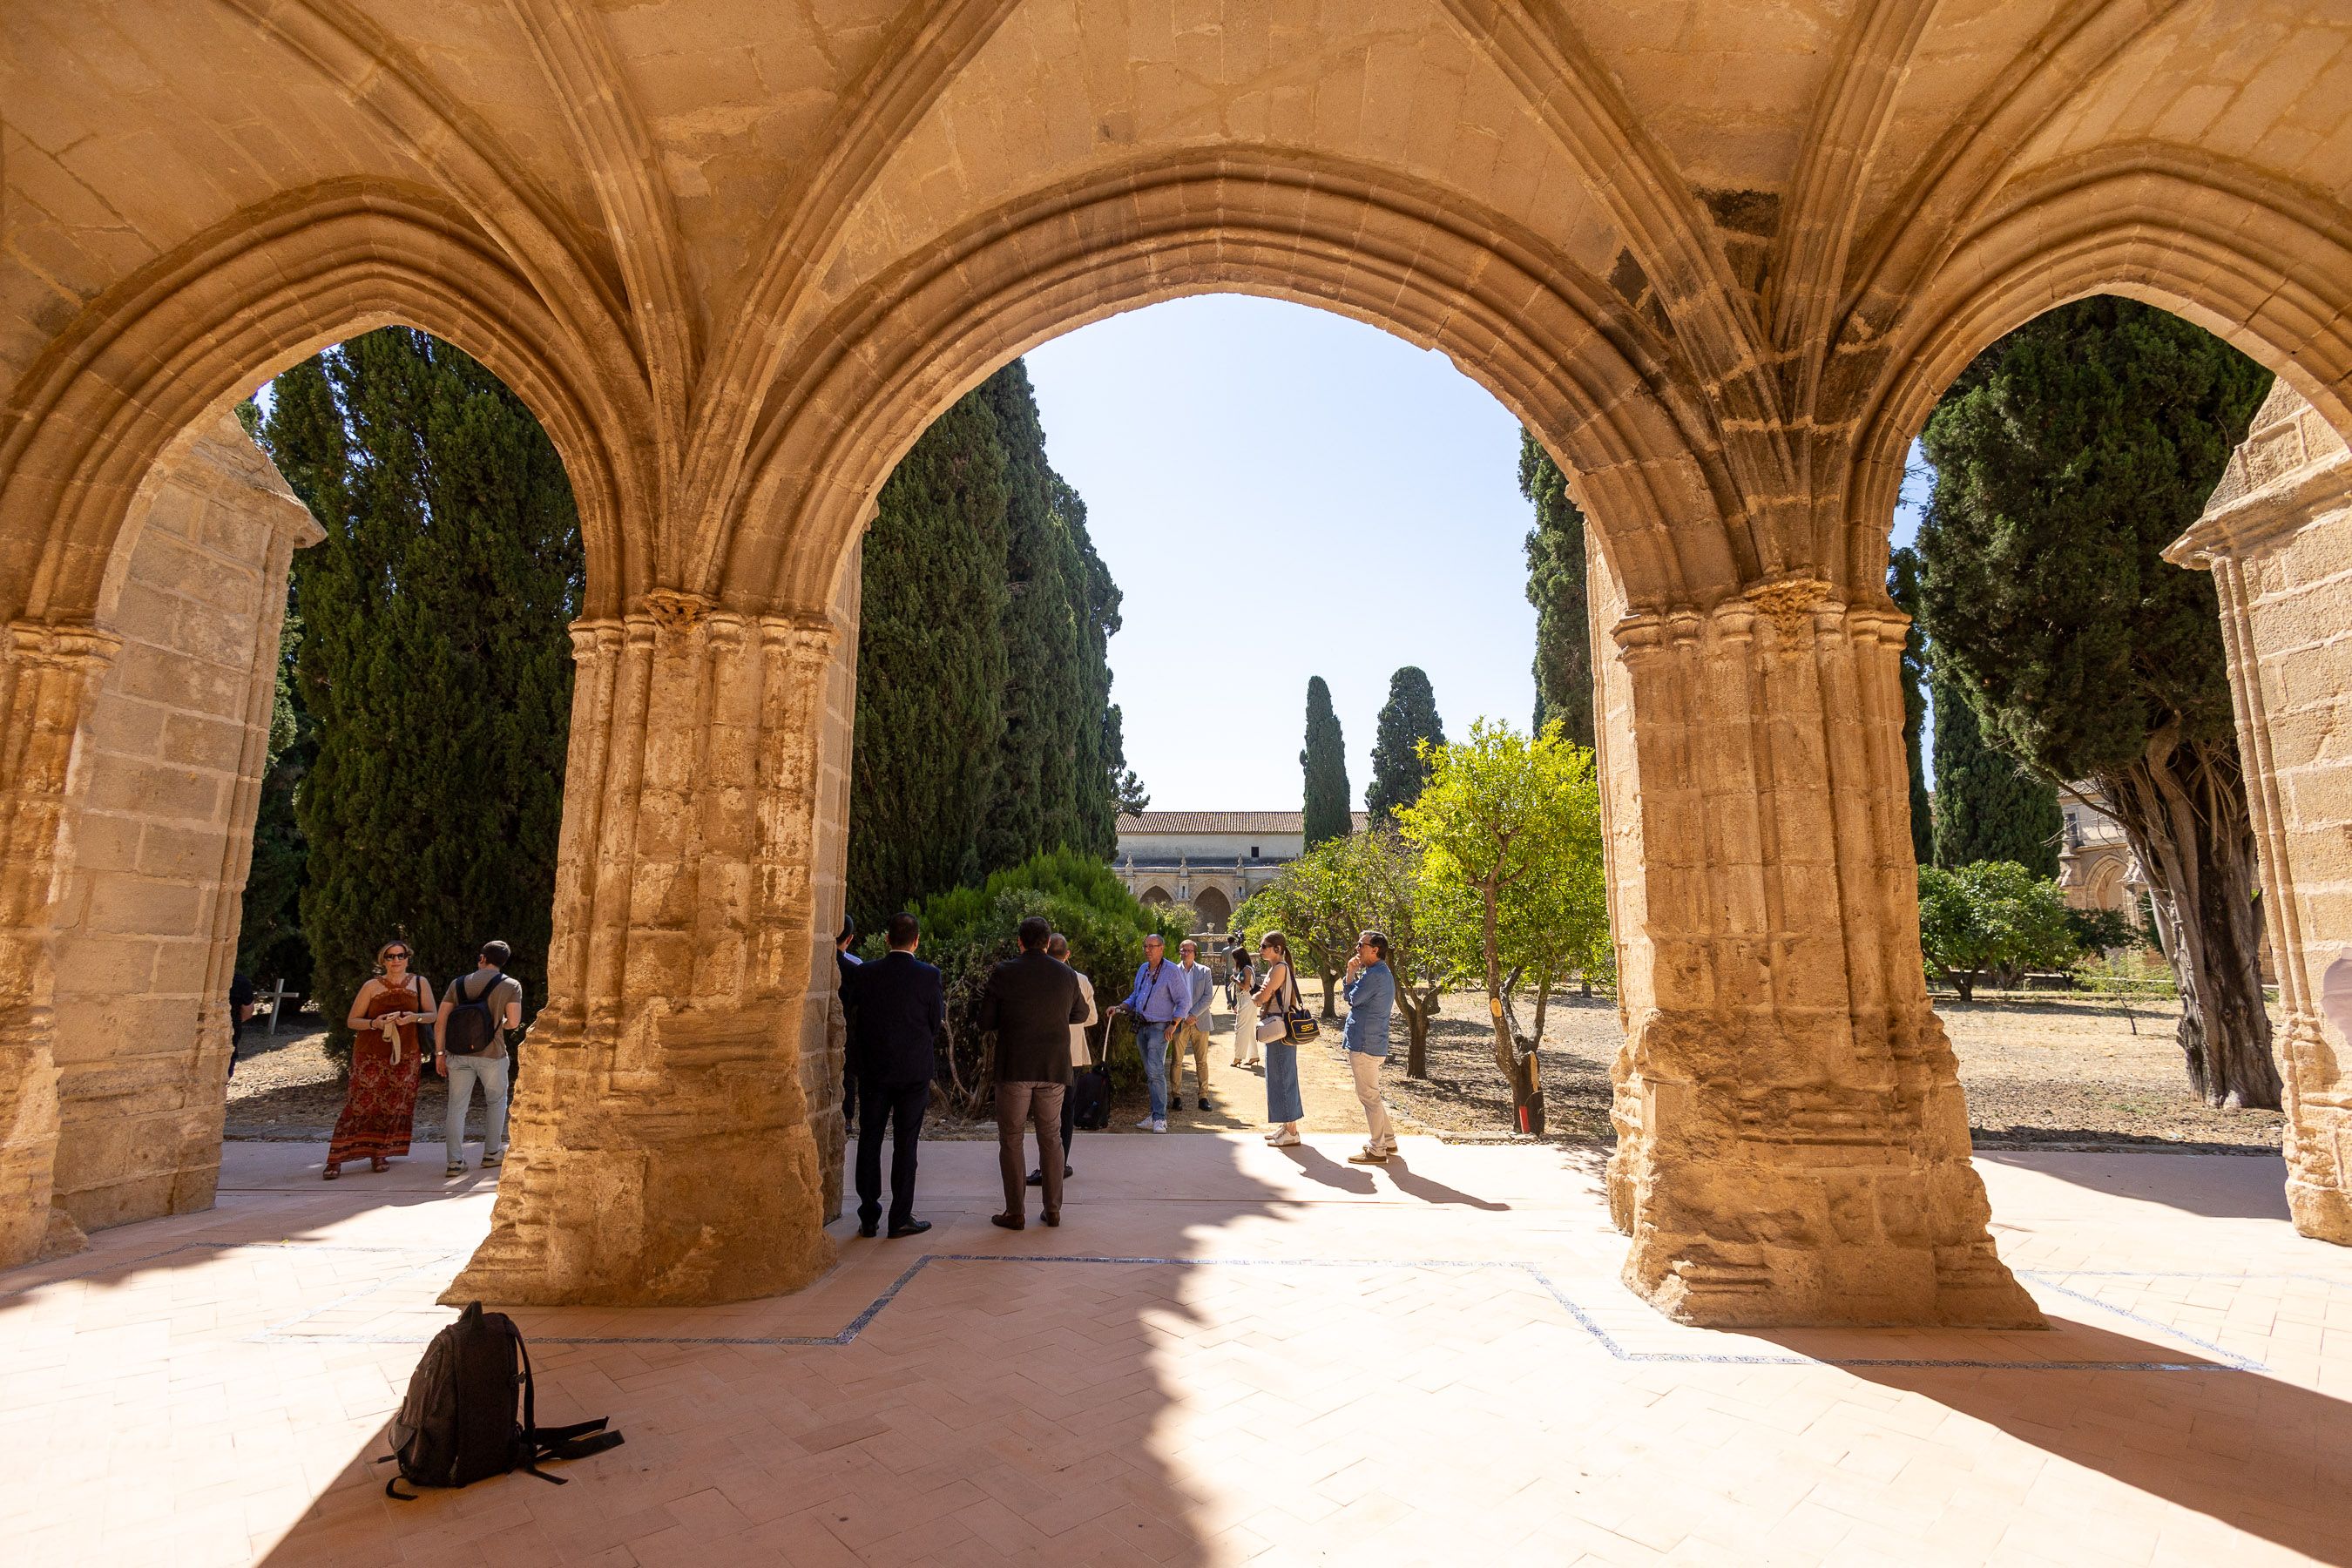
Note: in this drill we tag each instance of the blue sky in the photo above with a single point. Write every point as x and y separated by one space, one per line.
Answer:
1281 493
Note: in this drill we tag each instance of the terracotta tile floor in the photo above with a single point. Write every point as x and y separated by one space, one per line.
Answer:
1227 1353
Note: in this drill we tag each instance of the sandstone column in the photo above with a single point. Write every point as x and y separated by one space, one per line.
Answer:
46 674
662 1148
2277 535
1793 1146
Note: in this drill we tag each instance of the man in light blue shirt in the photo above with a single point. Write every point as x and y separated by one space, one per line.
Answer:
1371 998
1161 997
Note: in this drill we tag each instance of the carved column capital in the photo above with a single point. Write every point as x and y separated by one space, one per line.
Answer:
1789 602
674 610
593 638
77 646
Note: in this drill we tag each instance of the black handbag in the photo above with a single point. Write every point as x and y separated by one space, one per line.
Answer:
1298 1024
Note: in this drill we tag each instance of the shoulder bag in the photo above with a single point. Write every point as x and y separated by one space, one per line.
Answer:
1298 1023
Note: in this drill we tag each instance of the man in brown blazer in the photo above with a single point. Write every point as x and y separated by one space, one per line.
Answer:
1030 1005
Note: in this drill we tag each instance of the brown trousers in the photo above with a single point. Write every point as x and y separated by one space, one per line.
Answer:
1018 1106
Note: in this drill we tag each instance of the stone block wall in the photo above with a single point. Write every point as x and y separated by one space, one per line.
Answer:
822 1026
2277 536
165 780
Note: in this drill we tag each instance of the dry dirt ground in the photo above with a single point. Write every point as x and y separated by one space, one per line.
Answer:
2048 1072
287 1087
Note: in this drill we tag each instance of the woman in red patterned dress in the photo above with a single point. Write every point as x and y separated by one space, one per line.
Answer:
381 1102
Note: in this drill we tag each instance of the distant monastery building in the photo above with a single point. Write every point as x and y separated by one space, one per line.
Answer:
1209 859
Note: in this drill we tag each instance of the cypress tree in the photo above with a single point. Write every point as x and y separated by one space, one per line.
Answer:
1409 716
1903 587
269 944
930 666
2067 456
1325 762
1105 785
1987 807
1042 793
431 656
1555 588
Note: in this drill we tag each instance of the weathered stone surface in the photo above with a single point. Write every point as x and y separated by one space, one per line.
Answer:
2277 536
736 256
165 782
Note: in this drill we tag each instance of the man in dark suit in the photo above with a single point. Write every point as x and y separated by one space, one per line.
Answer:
1031 1002
899 1015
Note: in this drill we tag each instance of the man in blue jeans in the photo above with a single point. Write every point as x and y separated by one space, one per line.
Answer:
1161 997
1371 998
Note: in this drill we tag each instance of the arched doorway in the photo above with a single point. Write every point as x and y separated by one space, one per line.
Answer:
1214 907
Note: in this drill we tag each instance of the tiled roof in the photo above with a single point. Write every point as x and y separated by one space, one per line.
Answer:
1219 821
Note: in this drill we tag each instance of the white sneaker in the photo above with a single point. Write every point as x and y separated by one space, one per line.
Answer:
1159 1124
1280 1141
1147 1125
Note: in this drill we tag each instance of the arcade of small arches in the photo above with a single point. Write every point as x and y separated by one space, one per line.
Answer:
1722 277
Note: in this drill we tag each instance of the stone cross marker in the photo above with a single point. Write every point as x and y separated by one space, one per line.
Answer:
275 996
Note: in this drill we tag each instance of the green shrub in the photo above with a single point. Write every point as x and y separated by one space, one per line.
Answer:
968 931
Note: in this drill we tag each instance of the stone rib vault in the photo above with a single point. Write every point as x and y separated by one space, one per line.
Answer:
1721 259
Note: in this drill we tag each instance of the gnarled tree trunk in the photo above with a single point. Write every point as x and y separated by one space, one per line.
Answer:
2182 806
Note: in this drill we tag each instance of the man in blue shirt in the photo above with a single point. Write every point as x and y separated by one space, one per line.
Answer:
1161 997
1371 998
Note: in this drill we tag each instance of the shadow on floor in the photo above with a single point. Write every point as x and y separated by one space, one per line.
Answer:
2231 1185
2259 1455
801 1430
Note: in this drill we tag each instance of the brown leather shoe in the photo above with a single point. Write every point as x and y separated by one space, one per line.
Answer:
1053 1218
1009 1221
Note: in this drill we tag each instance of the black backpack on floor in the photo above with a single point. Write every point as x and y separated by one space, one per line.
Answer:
457 1424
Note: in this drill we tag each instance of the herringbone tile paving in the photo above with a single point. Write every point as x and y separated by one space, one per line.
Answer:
1227 1353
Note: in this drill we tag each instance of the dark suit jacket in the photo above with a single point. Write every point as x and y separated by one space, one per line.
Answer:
1031 1002
899 1019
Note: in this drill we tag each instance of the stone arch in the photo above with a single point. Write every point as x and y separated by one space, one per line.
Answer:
2244 256
1601 390
1216 910
2104 888
150 359
1156 895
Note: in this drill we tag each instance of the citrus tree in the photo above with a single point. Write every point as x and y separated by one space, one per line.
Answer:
1510 828
1991 915
1373 880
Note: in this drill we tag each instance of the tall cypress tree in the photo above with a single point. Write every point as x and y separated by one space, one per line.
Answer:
1043 793
1106 785
433 658
1903 587
1325 762
1408 717
1987 807
1556 587
930 666
269 944
2067 456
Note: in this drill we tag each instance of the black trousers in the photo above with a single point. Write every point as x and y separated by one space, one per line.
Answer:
1069 1119
901 1105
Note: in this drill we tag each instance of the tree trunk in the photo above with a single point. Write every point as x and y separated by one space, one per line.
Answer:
1519 1071
1543 1000
2182 807
1330 980
1965 982
1419 1007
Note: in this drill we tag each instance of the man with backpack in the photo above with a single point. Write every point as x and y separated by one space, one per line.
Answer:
470 1047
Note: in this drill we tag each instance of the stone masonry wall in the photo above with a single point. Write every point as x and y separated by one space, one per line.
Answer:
2277 536
821 1042
166 777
